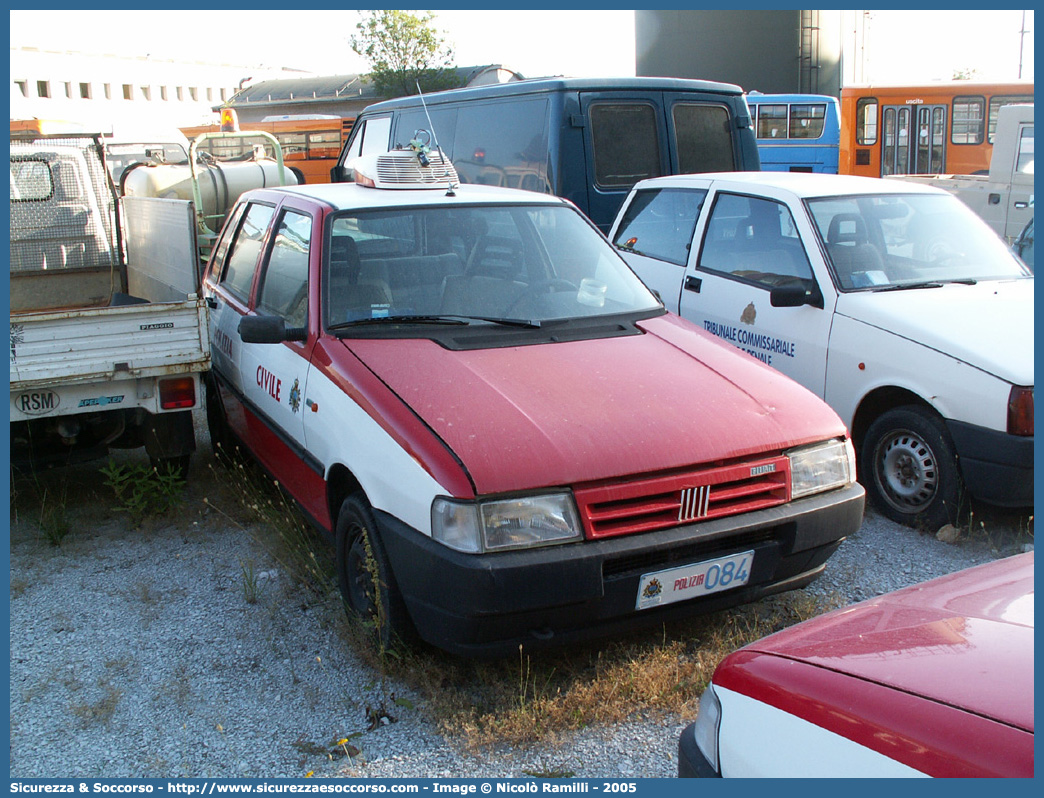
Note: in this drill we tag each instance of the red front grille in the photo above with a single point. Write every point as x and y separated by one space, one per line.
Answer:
660 502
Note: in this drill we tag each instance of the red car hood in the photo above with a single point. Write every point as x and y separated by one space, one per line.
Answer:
567 413
965 640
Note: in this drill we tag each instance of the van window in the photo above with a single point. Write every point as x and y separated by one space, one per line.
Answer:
626 143
371 137
704 138
504 144
494 144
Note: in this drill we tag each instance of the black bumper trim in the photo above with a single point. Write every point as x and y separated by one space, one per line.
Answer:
997 467
692 764
486 605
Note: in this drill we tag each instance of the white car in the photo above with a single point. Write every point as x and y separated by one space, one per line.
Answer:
892 301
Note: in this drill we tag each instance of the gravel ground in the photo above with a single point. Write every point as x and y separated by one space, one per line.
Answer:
135 653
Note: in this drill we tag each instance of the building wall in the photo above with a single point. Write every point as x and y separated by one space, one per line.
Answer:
99 91
757 50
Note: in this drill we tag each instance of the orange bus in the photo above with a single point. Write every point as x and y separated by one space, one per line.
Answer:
939 128
310 144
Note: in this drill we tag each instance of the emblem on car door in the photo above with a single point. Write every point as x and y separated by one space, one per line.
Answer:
295 397
749 314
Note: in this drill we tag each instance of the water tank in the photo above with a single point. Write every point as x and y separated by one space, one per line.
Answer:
220 183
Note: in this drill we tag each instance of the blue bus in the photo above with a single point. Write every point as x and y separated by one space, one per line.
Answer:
796 132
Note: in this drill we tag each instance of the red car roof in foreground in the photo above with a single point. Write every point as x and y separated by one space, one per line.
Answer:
965 640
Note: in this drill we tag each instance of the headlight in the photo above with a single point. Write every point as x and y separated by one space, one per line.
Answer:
824 466
502 524
705 730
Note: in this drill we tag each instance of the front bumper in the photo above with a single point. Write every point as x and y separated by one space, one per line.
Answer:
692 764
997 467
489 604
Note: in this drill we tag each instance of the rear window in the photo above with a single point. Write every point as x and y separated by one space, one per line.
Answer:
30 180
704 136
626 143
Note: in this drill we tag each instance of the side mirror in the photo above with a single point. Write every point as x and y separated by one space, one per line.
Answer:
340 174
794 296
269 330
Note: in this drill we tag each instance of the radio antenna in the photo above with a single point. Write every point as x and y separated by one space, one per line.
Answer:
435 137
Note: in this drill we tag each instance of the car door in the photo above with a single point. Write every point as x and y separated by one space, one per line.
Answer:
655 233
273 375
229 286
750 280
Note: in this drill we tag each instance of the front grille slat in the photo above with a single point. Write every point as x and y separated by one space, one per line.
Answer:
688 497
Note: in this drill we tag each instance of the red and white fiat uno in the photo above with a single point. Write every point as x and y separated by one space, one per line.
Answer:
469 386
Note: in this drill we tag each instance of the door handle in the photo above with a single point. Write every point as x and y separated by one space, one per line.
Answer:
693 284
1021 205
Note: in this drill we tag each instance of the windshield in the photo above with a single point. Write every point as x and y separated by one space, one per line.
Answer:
895 240
479 264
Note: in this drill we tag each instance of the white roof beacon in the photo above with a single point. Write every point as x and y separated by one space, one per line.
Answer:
412 167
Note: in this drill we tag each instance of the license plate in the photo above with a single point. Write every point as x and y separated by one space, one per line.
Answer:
691 581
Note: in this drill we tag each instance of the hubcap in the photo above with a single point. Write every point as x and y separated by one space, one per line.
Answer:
907 472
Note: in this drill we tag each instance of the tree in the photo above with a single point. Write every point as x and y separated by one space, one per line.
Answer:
403 49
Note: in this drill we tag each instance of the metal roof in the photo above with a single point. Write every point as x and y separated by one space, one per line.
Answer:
313 87
330 88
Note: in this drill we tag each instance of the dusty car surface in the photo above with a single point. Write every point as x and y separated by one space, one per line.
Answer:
892 301
471 393
932 680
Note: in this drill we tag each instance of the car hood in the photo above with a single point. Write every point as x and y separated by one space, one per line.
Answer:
965 640
988 325
557 414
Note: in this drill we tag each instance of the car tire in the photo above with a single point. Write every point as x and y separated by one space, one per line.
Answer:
360 558
217 424
909 468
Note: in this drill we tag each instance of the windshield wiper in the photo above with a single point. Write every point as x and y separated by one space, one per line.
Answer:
446 318
925 284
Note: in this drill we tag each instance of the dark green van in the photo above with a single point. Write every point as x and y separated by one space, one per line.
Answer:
586 139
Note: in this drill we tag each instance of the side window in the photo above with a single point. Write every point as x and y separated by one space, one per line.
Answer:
217 258
245 248
866 121
626 143
772 121
284 282
704 136
409 120
1024 163
370 136
998 102
807 121
755 240
969 120
659 223
503 144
